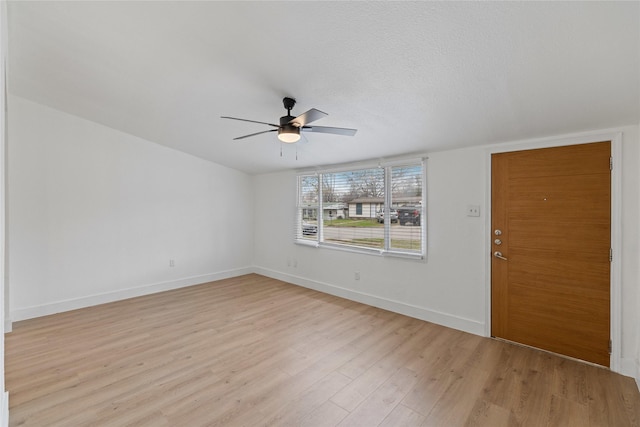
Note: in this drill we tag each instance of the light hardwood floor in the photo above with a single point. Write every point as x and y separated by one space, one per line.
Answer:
255 351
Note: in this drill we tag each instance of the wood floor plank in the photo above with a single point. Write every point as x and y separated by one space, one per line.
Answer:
487 414
569 381
294 411
222 408
327 415
379 404
391 339
565 412
605 398
252 350
531 408
439 362
629 390
520 373
402 416
360 388
458 401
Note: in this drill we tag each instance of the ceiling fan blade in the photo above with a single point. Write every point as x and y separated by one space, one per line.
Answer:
251 121
325 129
254 134
307 117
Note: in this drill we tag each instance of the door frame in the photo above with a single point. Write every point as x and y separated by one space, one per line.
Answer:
616 224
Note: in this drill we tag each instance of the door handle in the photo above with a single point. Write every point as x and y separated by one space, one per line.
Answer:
498 254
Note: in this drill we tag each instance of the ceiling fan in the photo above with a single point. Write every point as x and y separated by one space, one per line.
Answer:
290 127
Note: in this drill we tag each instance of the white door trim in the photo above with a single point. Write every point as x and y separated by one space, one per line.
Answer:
616 223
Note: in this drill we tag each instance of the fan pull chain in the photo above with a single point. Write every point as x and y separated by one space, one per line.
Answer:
281 144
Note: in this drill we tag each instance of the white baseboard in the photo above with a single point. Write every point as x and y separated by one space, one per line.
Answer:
8 325
4 409
448 320
76 303
628 368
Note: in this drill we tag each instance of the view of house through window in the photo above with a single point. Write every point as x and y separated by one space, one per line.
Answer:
378 208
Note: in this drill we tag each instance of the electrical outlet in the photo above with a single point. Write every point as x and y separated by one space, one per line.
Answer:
356 275
172 263
473 210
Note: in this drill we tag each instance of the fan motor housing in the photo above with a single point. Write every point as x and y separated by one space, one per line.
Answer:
284 120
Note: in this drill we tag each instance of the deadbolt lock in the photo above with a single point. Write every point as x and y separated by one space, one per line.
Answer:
497 242
497 232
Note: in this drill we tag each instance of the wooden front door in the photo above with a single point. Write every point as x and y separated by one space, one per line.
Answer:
551 240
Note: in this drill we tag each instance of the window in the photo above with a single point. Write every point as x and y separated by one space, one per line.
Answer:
377 210
308 207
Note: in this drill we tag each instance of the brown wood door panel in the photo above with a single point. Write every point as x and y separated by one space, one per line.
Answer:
576 196
562 275
565 236
561 161
583 329
554 209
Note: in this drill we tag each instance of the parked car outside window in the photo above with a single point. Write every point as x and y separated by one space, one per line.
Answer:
393 214
309 229
409 215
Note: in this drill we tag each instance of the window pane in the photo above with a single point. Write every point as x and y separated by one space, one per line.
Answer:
307 221
358 196
406 200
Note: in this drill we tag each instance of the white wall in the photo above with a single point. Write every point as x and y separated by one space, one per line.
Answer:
4 397
630 248
451 287
637 262
95 215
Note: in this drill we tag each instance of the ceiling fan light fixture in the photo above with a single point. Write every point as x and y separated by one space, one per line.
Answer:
289 134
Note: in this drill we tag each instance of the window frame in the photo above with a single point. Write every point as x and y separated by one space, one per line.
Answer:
386 250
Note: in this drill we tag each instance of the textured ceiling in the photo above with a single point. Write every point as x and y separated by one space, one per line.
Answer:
410 76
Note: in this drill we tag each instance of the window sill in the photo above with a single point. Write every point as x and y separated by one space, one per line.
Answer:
361 250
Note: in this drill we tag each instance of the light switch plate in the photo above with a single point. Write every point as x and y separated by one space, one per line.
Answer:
473 210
